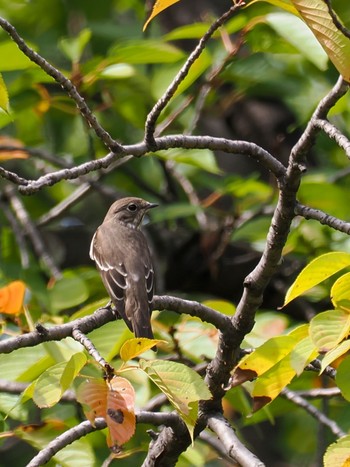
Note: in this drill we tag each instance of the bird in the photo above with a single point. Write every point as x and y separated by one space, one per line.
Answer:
123 259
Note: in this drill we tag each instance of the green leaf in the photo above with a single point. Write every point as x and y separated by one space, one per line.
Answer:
335 353
201 158
174 211
295 31
182 386
118 71
4 98
340 292
338 453
303 353
329 328
11 58
67 292
53 382
73 367
336 45
145 51
342 378
73 47
316 272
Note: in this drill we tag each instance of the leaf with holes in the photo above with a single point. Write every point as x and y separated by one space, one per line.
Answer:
134 347
120 416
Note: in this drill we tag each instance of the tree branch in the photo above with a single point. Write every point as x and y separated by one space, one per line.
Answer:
169 93
322 218
66 84
234 448
312 410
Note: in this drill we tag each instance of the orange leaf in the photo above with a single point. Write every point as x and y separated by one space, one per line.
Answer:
11 298
6 154
120 419
159 6
114 401
92 394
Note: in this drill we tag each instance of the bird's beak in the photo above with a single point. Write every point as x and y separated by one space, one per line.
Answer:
151 205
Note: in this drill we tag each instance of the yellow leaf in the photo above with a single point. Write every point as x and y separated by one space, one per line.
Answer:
159 6
262 359
268 386
4 98
336 45
329 328
11 298
134 347
317 271
340 292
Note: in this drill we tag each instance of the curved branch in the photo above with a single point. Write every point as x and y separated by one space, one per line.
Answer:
169 93
234 448
65 439
166 142
104 315
66 84
312 410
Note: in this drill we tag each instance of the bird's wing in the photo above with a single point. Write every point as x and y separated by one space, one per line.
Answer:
112 271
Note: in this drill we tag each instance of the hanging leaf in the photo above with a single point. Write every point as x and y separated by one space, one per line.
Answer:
92 395
51 384
158 7
115 402
262 359
336 45
4 97
340 293
270 384
338 453
335 353
12 297
120 416
134 347
182 386
317 271
329 328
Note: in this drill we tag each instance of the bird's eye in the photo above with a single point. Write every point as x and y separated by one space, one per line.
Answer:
132 207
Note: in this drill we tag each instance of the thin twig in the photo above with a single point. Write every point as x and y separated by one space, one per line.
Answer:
18 232
66 84
322 218
31 230
312 410
336 21
169 93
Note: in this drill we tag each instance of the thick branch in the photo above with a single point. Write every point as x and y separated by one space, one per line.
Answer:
234 448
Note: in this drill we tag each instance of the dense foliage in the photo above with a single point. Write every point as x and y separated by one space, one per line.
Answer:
250 169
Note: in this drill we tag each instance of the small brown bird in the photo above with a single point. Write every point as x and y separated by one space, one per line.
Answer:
121 253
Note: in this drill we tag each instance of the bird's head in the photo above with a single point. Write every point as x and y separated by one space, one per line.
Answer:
129 211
